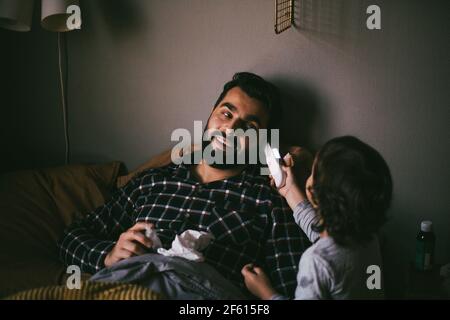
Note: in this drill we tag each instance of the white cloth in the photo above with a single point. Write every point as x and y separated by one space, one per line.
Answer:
153 236
186 245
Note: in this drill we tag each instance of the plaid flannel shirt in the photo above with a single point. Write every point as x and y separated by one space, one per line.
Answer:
250 223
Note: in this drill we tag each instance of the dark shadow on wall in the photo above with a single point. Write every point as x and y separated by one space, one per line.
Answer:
7 136
395 267
121 18
30 136
300 113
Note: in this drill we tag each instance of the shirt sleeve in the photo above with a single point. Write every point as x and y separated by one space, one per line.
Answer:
305 216
87 241
286 242
314 278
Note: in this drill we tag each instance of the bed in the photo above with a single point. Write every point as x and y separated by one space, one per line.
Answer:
35 208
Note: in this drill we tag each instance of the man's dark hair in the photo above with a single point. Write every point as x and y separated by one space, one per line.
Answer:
352 187
258 88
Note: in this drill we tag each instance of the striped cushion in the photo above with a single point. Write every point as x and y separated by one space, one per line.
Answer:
89 291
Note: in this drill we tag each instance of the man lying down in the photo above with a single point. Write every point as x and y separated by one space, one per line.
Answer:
221 216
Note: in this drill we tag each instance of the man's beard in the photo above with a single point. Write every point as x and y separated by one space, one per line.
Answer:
237 152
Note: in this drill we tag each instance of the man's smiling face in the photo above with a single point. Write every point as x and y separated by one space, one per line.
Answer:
236 111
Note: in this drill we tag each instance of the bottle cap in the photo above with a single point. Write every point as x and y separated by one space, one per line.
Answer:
426 226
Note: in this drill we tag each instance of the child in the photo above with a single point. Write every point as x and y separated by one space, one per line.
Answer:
347 196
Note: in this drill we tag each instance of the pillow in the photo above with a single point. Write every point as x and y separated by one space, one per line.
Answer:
157 161
35 207
160 160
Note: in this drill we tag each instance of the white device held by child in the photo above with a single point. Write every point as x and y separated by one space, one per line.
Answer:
273 159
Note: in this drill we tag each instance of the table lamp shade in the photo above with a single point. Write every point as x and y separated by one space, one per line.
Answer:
54 14
16 15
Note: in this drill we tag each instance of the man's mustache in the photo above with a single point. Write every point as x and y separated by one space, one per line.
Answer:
229 142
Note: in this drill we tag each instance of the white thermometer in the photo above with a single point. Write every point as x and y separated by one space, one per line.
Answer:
273 158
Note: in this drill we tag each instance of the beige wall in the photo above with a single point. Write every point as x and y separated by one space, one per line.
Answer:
139 69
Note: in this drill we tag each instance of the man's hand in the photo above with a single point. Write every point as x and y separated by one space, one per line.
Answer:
257 282
131 243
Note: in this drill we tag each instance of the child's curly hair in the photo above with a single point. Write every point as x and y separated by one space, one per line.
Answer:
352 187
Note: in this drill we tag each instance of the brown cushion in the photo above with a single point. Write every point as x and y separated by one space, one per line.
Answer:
158 161
35 207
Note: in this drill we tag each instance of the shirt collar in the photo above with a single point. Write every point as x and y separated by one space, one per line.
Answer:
245 178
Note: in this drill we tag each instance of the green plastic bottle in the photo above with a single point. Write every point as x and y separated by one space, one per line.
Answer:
425 247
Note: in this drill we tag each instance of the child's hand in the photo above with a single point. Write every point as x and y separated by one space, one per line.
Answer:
290 190
257 282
